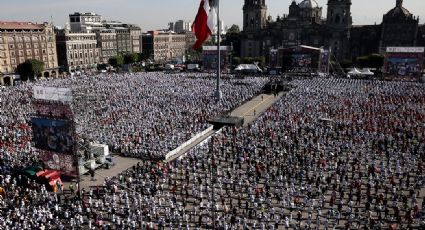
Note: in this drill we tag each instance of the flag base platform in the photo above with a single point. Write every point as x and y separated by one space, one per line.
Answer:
226 120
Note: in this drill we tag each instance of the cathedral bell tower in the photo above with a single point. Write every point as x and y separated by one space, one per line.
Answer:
339 13
339 22
254 15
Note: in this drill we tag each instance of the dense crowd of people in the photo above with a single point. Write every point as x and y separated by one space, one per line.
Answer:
139 115
330 154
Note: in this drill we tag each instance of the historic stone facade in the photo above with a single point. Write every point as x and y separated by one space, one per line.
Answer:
20 41
77 51
305 25
164 46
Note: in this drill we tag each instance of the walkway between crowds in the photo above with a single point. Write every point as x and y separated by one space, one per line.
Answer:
255 107
250 110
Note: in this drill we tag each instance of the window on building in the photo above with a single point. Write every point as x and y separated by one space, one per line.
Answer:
337 19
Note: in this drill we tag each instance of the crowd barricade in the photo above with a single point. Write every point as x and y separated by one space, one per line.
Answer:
190 141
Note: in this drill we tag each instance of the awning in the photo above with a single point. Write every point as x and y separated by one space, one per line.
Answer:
354 71
31 170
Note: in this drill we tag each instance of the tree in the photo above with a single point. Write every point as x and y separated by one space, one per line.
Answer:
233 38
139 57
376 61
260 61
346 63
116 61
234 29
130 58
372 61
236 60
30 69
102 66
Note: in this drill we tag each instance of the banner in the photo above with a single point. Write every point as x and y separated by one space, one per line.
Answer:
53 129
52 93
404 65
324 61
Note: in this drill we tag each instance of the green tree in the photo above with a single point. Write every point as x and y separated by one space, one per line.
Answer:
371 61
102 66
260 61
362 61
30 69
116 61
346 63
130 58
247 60
236 60
376 61
139 57
234 29
233 38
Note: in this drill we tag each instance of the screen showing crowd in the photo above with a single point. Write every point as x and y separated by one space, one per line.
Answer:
53 135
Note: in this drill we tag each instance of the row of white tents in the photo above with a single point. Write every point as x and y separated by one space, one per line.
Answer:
362 72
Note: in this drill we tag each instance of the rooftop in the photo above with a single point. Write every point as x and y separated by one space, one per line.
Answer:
20 25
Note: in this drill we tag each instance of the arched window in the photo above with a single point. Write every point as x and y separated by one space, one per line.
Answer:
337 19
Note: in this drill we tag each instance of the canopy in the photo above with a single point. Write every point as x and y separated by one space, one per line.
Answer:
48 174
366 72
31 170
354 71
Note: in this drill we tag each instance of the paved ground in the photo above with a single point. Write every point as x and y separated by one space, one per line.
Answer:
187 148
255 107
249 111
259 104
121 164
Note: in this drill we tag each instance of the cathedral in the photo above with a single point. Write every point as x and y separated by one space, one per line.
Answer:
305 24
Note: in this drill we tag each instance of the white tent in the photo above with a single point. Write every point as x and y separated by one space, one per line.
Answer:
366 72
354 71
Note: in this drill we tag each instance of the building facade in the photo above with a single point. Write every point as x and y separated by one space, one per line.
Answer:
112 37
396 20
85 22
182 26
305 25
107 43
128 36
77 51
163 47
20 41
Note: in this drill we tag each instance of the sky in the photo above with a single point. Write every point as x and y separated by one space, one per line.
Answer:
156 14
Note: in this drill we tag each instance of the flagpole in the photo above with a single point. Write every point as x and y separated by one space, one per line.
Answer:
218 92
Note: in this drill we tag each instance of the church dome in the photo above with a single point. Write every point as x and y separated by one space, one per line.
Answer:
399 12
308 4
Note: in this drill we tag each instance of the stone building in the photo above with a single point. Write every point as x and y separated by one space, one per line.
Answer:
85 22
182 26
305 25
77 51
107 43
396 20
164 46
127 35
20 41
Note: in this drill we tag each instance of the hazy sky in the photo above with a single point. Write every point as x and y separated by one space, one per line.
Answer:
155 14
